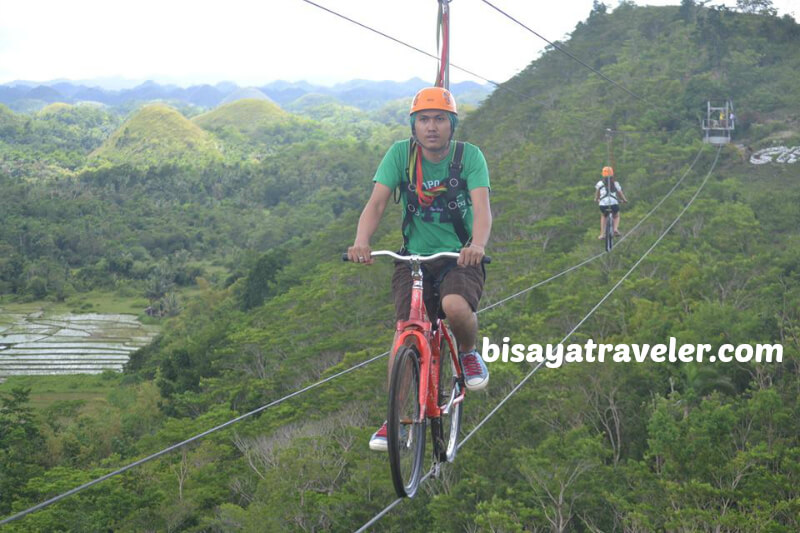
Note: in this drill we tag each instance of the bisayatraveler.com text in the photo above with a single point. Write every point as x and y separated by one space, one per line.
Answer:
556 355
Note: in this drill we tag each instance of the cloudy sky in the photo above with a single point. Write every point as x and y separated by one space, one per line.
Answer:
254 42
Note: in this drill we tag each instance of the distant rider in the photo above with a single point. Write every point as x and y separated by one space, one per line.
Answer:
605 194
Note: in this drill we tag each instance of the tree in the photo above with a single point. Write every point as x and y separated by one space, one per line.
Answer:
686 9
260 281
598 8
559 473
756 7
21 444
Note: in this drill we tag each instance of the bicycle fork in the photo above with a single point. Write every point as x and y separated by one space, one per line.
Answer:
417 339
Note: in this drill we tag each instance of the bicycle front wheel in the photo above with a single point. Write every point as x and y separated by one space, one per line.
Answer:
406 432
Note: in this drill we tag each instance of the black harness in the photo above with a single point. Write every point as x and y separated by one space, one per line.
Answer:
611 188
450 212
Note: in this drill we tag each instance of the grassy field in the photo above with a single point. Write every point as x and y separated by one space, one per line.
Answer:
90 302
91 390
117 302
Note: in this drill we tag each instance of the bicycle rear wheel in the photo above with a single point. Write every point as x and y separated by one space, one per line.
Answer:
447 428
609 231
405 432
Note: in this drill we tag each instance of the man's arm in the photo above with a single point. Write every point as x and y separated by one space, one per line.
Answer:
368 223
481 227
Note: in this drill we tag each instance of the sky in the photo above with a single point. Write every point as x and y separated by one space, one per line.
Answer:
253 42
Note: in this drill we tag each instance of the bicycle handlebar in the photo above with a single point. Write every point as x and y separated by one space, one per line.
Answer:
422 259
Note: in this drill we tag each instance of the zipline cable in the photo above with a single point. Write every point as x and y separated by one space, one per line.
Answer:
444 62
184 443
502 402
589 260
561 49
607 295
323 381
496 84
398 41
610 148
653 210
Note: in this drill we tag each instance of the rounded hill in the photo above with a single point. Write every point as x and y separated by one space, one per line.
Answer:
247 93
55 109
156 134
247 116
255 123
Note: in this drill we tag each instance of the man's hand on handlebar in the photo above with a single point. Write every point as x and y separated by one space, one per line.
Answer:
472 255
360 254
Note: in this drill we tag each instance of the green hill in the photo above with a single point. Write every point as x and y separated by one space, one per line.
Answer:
246 93
343 121
584 447
57 108
54 141
251 127
250 117
156 134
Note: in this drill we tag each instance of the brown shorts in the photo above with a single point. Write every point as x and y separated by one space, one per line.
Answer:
450 278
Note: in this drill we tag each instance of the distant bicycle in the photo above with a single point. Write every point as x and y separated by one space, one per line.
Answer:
609 233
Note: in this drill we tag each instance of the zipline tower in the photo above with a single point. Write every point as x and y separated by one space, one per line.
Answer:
719 123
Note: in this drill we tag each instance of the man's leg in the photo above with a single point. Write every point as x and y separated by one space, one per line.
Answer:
462 320
461 291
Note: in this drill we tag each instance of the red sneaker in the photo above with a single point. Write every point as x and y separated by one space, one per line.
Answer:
380 439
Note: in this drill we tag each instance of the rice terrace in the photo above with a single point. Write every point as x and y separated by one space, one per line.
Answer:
34 342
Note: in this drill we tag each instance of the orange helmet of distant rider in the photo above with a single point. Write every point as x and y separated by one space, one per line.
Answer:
608 171
434 99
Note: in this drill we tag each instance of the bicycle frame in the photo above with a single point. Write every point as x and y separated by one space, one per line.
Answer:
419 330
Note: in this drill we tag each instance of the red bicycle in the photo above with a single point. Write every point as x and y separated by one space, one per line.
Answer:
427 384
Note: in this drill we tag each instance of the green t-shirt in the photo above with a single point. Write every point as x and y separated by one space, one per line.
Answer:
430 231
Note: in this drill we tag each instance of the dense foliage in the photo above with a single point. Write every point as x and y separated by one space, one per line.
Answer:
156 203
585 447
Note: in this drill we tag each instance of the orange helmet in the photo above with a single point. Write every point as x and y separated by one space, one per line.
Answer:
433 98
608 171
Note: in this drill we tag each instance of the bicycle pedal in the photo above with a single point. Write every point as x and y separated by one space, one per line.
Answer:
437 469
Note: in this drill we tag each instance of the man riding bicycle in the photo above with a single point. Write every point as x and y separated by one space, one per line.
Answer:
444 187
605 194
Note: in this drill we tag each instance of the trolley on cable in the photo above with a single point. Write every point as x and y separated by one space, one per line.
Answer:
719 123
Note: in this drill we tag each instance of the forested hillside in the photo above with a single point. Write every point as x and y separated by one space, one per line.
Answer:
152 202
583 447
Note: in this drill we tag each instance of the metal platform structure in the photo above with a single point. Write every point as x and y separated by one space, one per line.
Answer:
720 121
